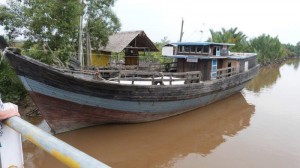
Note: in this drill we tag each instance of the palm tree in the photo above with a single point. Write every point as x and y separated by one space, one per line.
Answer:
268 48
231 35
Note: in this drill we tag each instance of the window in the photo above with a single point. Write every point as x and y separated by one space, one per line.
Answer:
214 62
187 49
181 48
199 49
193 49
205 49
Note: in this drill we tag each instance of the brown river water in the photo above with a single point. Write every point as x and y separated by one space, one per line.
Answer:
258 127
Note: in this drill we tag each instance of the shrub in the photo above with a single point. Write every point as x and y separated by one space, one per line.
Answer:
11 87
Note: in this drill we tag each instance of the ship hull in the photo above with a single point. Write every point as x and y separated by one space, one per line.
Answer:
68 103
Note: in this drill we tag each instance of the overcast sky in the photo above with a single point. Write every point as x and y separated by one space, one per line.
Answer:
253 17
162 18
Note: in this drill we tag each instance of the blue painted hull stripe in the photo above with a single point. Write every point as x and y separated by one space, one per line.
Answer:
129 106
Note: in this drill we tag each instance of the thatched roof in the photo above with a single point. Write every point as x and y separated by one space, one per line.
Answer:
131 39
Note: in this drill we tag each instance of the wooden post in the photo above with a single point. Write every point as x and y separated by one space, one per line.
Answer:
200 75
153 81
162 78
119 78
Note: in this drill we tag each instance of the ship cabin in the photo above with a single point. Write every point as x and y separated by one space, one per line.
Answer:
213 60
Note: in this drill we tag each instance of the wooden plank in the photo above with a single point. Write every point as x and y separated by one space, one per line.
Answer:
105 89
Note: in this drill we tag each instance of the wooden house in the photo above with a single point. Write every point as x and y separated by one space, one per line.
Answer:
129 42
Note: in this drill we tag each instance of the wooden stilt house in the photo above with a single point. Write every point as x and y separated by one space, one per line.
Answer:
129 42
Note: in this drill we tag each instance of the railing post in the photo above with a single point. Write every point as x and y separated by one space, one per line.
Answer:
119 77
200 75
187 78
153 82
162 78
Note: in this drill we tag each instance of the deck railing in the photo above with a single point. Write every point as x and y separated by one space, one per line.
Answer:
147 66
226 72
158 78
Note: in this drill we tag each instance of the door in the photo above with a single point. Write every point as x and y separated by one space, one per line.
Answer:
229 69
214 65
218 51
131 57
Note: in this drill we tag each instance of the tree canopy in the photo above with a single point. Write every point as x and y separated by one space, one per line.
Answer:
267 48
54 25
231 35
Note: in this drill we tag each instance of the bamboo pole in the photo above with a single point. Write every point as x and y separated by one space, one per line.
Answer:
80 48
62 151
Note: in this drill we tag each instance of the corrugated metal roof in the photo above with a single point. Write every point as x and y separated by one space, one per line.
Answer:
200 44
233 57
119 41
198 57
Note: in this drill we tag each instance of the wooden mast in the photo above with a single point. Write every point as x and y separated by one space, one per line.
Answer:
80 48
181 31
88 49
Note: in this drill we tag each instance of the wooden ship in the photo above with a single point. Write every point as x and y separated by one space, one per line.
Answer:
201 73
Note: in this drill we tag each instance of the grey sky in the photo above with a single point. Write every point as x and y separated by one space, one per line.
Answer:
252 17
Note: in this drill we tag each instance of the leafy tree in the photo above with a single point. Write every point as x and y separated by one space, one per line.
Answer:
157 55
10 86
52 27
51 31
101 21
297 49
290 50
233 36
46 25
162 43
268 48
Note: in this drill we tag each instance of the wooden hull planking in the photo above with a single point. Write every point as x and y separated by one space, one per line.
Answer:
68 102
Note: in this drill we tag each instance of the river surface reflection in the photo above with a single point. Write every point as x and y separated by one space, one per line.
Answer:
258 127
